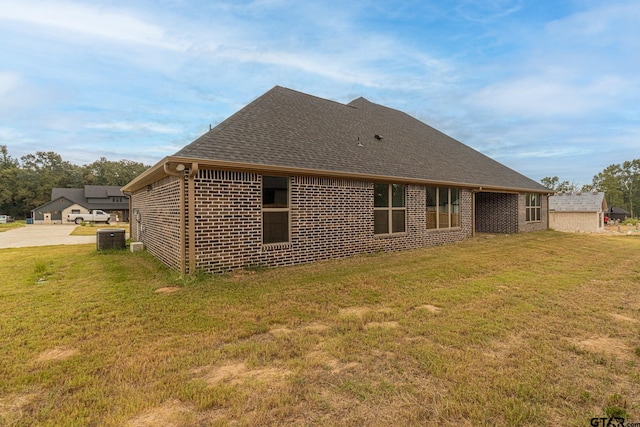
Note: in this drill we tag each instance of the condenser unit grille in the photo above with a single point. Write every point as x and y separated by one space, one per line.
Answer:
110 238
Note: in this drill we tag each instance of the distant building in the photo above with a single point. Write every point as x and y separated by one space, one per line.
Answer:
577 212
64 201
616 213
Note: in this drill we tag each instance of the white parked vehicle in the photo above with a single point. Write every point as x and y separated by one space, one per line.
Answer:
93 216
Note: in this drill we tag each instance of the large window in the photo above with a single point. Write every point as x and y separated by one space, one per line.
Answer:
533 206
275 209
389 208
443 207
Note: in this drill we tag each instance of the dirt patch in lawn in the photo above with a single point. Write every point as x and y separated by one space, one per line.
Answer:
167 290
11 407
320 357
607 346
625 318
171 413
279 332
58 353
238 373
429 308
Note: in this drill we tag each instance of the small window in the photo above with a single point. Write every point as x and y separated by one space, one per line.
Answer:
389 208
275 209
443 207
75 211
532 207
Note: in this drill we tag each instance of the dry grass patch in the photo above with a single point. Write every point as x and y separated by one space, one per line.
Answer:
167 290
59 353
172 413
607 346
238 373
429 308
625 318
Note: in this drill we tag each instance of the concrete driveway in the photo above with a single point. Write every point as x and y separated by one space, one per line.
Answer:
42 235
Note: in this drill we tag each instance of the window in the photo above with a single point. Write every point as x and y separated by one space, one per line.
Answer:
75 211
389 210
532 206
443 207
275 209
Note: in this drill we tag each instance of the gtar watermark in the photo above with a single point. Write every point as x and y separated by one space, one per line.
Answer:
611 422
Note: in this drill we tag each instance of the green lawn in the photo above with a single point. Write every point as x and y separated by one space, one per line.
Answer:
12 225
91 229
533 329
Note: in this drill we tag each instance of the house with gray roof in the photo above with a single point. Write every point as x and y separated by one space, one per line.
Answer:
292 178
577 212
64 201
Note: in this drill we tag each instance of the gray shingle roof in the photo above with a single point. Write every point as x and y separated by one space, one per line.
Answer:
81 196
286 128
577 202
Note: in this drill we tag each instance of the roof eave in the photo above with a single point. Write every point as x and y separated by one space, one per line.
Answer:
158 172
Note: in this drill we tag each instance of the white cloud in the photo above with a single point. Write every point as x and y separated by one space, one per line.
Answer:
95 21
548 95
153 127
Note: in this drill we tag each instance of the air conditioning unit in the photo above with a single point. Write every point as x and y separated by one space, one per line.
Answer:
111 238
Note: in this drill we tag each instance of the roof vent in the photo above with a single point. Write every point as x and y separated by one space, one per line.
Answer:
360 143
378 137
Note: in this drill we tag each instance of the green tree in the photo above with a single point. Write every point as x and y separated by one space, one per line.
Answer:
610 182
105 172
554 183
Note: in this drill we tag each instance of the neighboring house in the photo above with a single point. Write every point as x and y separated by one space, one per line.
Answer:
64 201
292 178
617 214
577 212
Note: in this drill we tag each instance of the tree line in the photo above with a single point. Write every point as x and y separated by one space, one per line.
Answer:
26 183
619 182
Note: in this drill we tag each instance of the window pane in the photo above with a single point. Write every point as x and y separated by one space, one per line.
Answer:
275 227
455 207
431 196
538 214
443 207
528 214
381 221
275 192
431 207
398 195
381 195
398 221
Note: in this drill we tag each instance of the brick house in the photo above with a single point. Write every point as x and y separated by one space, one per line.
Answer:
292 178
577 212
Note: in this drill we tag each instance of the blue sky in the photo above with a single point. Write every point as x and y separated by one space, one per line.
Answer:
545 87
